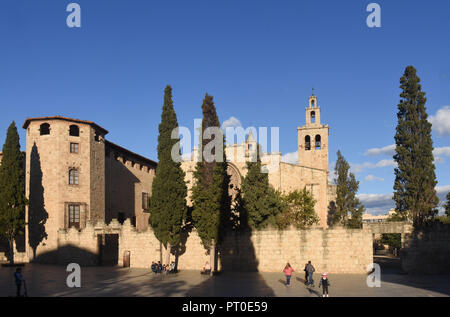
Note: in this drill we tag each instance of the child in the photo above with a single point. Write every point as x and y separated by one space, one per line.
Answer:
19 280
325 283
288 272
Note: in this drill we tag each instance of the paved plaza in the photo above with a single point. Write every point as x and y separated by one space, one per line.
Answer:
50 280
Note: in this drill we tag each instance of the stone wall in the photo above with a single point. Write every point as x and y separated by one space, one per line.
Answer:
336 250
427 250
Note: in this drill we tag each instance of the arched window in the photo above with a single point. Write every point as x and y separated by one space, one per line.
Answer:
318 142
73 176
74 130
312 103
44 129
307 143
313 117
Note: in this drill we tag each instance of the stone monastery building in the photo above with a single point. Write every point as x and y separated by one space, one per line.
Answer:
75 178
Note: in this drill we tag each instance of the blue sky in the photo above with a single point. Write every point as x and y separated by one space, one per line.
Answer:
258 58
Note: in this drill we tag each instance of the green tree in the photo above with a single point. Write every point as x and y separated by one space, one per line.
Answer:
261 202
394 240
211 202
415 179
349 209
447 205
299 210
12 190
167 204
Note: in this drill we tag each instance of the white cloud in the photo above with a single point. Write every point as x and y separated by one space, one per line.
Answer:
387 150
441 121
370 178
381 203
377 203
439 152
232 122
358 167
291 158
384 163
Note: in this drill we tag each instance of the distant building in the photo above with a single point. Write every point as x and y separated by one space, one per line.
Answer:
369 218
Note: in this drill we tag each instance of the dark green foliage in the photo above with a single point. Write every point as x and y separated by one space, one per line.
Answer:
415 179
347 204
12 189
299 210
262 204
168 201
447 205
212 204
394 240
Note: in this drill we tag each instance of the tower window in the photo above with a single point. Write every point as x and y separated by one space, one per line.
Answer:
74 130
307 143
312 103
73 147
313 117
145 201
318 142
45 129
73 176
74 216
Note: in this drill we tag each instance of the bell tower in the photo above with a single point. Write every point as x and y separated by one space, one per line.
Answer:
313 138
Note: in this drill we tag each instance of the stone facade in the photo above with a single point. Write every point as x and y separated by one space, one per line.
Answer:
427 250
311 171
75 176
335 250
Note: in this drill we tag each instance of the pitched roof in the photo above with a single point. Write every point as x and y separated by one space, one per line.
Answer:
28 120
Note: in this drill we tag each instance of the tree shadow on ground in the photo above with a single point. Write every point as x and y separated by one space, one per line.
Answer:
37 215
249 284
391 272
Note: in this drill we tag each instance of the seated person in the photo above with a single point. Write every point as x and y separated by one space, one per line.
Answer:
207 268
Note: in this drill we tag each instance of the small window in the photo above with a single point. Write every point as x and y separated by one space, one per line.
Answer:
145 201
73 147
73 177
74 216
318 142
74 130
313 117
312 103
250 147
307 143
45 129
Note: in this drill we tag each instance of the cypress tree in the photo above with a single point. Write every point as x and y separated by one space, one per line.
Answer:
347 204
12 189
211 201
447 205
168 201
415 179
261 202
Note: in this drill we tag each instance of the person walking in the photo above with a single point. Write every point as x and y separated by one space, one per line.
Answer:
324 282
310 269
306 274
19 280
288 273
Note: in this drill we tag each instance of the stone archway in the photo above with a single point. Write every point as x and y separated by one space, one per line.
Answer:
235 180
